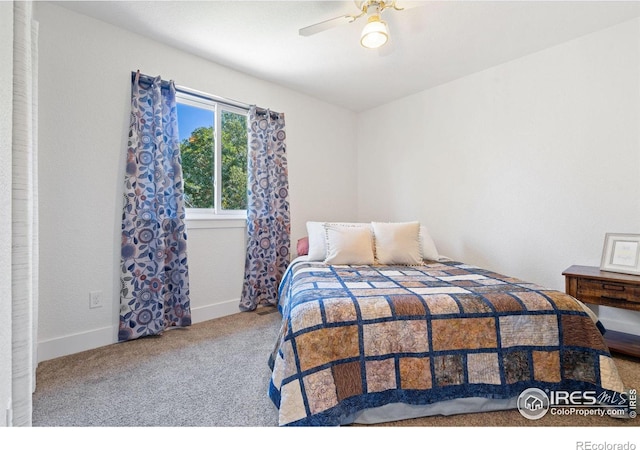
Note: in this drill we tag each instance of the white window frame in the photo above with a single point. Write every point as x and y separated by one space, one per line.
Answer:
215 213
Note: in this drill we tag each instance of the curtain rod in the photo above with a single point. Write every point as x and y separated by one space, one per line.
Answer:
206 96
226 101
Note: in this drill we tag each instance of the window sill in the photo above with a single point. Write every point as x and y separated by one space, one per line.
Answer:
205 221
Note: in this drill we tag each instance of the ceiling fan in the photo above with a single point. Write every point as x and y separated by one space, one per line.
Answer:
374 34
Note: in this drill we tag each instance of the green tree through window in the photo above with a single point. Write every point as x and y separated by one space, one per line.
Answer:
207 186
198 168
234 161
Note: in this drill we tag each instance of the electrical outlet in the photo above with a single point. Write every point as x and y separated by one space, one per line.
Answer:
95 299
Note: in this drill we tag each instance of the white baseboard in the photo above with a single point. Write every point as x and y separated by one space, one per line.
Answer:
616 319
88 340
622 326
75 343
214 311
68 345
8 418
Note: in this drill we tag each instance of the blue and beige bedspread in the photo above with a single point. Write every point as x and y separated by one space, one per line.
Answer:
357 337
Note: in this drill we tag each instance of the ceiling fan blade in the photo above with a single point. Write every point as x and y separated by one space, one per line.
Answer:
325 25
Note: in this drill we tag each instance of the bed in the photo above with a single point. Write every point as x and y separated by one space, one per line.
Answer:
376 342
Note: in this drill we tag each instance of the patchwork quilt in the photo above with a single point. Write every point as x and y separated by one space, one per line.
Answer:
358 337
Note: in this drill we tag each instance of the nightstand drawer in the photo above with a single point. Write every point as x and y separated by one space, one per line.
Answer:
598 290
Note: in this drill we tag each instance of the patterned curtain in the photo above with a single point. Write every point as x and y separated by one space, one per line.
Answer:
268 220
154 274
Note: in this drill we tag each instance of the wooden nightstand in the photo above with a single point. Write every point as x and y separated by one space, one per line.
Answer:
592 285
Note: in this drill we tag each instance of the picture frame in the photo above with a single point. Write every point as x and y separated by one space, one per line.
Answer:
621 253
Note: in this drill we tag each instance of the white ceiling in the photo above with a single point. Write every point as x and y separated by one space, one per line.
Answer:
432 42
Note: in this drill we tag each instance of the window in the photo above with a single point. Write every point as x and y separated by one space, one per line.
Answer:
213 147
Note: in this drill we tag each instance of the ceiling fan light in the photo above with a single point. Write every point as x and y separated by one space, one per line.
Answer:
375 33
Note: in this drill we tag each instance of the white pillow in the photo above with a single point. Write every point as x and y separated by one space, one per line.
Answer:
429 250
349 244
397 243
318 238
317 241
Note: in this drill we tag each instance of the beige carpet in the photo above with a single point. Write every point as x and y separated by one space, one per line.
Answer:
214 373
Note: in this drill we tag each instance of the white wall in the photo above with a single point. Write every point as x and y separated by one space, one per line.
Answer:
521 168
6 79
85 68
